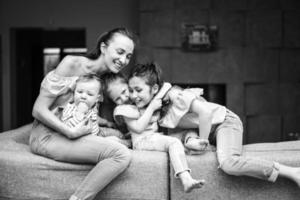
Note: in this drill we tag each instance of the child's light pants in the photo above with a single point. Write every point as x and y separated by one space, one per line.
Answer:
159 142
229 137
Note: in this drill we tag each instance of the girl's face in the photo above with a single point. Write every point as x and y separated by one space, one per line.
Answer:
140 92
118 52
87 92
118 92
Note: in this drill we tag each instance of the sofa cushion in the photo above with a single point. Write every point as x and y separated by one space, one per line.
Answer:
25 175
222 186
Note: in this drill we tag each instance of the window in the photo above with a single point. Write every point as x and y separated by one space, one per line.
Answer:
53 55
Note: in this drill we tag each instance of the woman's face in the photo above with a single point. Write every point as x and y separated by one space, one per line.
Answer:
118 52
140 92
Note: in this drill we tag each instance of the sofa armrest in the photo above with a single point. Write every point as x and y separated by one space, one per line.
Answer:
20 135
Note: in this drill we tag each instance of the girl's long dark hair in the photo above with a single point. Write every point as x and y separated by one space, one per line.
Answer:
105 38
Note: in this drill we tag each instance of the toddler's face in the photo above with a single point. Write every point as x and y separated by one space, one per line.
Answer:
118 92
140 92
87 92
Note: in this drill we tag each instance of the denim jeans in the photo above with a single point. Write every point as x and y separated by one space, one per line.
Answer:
158 142
229 137
111 158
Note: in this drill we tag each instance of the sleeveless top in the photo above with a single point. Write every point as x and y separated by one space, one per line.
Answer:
132 112
178 115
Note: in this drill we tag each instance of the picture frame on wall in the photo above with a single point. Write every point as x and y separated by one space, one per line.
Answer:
196 37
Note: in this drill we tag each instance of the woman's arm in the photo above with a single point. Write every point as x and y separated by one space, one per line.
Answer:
41 109
42 113
204 116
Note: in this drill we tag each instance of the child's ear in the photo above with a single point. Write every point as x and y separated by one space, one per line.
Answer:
100 98
102 47
155 88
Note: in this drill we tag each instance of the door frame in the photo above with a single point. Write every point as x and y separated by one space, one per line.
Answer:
27 45
1 91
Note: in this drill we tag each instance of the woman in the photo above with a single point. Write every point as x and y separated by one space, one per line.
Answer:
53 139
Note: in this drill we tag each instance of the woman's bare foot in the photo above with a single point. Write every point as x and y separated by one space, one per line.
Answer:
196 144
189 183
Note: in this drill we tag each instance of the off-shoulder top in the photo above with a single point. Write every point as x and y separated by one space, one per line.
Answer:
58 86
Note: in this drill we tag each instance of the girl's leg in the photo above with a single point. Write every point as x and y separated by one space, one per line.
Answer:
178 160
111 158
229 153
175 148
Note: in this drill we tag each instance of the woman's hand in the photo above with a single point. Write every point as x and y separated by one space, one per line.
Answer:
81 129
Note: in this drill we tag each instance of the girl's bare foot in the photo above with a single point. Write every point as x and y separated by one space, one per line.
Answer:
196 144
194 184
292 173
296 176
189 183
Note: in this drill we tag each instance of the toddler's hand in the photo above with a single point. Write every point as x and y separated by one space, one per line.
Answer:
82 107
111 124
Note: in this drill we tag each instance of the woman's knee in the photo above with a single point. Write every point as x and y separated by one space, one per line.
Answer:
122 154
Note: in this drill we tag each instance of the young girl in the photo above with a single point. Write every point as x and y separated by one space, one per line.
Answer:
188 110
142 122
84 107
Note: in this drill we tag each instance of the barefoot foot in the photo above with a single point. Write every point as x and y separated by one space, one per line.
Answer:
193 184
189 183
297 176
196 144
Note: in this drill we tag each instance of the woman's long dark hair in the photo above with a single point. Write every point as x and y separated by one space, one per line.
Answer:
105 38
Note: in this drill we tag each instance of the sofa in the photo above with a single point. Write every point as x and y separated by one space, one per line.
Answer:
24 175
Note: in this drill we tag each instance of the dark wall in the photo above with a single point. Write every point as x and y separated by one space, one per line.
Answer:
258 57
0 83
94 16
